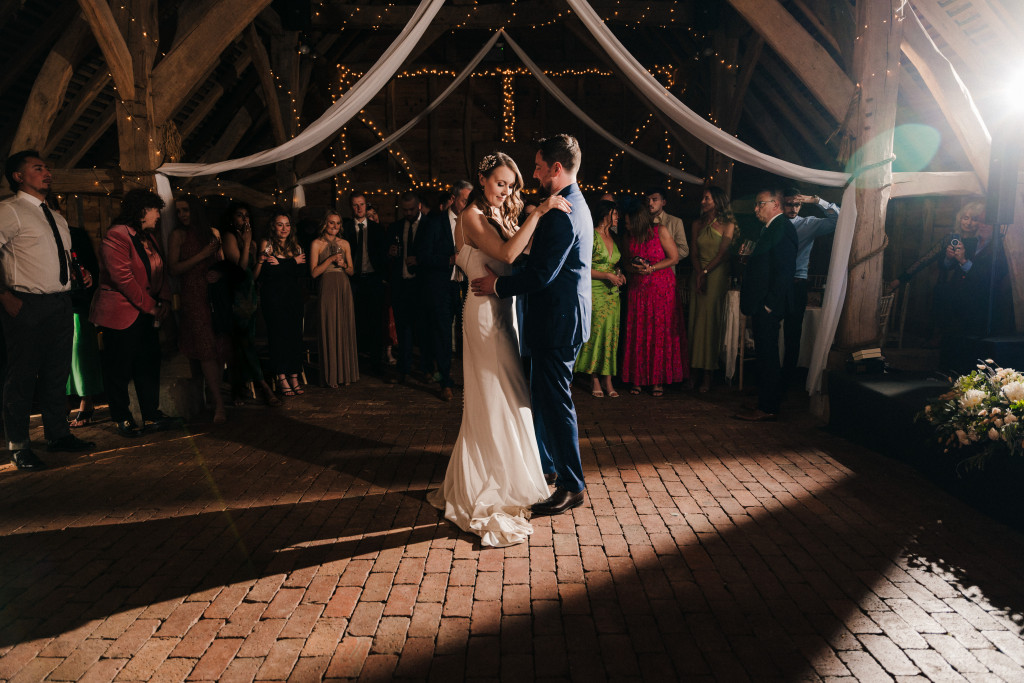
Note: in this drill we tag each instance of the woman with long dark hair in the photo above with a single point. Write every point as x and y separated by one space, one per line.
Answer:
710 238
240 250
193 249
653 331
132 300
279 273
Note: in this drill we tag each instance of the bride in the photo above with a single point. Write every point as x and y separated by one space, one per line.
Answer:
494 474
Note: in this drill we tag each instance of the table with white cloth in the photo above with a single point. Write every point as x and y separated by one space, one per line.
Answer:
738 338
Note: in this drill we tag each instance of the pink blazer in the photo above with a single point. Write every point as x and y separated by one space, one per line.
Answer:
124 289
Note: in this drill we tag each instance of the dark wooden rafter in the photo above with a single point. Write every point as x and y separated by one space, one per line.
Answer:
113 44
261 62
197 49
75 109
41 41
50 86
762 121
808 60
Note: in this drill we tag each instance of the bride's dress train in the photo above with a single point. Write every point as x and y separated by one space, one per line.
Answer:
494 474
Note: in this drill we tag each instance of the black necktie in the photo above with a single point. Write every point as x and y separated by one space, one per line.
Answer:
60 244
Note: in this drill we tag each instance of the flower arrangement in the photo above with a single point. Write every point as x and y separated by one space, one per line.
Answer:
982 414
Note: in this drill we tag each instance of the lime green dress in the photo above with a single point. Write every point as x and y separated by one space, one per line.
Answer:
707 311
600 354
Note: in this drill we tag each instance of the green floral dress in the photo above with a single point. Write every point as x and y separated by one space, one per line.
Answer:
600 354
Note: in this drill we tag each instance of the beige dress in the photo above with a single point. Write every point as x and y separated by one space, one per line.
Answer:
339 358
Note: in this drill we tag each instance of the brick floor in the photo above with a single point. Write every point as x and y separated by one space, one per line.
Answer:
296 545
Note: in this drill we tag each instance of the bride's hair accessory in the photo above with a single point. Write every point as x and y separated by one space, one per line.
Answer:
488 162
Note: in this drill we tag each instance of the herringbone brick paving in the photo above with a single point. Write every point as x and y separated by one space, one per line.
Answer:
296 544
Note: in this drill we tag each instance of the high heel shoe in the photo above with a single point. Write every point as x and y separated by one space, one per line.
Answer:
296 385
282 384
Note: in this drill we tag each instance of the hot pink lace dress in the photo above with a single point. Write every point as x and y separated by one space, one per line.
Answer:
654 336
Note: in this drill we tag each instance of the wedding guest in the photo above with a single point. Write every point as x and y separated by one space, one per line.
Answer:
279 272
764 298
599 356
194 248
406 294
132 300
240 249
808 228
710 237
86 379
653 354
368 242
657 198
330 261
35 310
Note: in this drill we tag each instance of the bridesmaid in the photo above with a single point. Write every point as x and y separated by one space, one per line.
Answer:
710 238
278 271
599 356
331 261
653 334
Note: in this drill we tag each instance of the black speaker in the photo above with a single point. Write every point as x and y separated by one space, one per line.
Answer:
1002 175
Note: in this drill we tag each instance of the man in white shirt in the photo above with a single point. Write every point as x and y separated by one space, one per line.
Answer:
35 310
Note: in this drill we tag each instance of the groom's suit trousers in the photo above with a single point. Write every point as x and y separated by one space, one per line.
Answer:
554 416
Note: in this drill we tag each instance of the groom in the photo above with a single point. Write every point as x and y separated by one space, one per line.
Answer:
556 286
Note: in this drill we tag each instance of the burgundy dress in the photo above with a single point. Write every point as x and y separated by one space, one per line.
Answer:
197 339
654 336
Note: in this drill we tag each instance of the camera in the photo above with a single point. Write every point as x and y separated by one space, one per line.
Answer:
954 241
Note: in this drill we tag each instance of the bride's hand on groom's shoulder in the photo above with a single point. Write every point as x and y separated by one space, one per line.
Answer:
555 201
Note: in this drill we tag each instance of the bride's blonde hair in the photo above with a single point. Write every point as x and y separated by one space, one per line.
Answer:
513 204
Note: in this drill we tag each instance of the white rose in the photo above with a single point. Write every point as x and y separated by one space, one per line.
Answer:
997 422
961 436
972 398
993 434
972 435
996 411
1010 418
1014 391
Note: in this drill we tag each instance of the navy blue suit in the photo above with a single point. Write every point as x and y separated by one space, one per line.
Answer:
434 250
555 287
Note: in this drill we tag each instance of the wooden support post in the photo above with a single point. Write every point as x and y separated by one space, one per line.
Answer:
877 68
137 137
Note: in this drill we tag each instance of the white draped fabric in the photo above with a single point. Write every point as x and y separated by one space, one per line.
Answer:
299 196
340 112
566 102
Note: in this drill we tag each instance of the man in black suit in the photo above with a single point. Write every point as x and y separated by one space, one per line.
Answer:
435 263
406 297
764 298
369 258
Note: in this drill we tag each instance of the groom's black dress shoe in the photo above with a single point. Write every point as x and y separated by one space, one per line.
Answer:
560 501
550 478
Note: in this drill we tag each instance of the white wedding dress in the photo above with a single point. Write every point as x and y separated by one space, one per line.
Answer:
494 474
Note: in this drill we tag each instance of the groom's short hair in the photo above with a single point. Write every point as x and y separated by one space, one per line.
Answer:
562 148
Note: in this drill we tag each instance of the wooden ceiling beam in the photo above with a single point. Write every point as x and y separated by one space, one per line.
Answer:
41 41
261 62
976 55
91 136
48 90
195 53
73 111
802 53
112 44
949 92
87 180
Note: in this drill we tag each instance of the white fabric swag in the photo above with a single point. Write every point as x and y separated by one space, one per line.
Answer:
339 113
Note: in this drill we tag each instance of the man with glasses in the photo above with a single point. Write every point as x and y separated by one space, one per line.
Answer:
808 228
764 298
